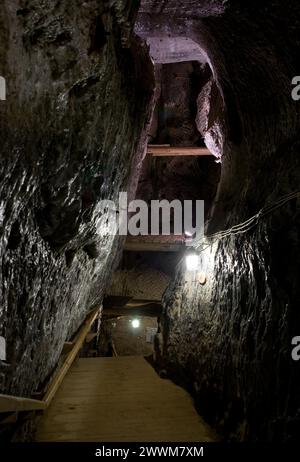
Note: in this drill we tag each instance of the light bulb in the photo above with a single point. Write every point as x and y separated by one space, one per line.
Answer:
192 262
135 323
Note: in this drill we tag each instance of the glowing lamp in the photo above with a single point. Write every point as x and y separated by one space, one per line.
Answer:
135 323
192 262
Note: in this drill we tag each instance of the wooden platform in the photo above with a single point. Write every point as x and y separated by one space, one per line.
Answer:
120 399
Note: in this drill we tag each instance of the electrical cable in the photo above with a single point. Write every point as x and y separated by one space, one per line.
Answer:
243 227
247 225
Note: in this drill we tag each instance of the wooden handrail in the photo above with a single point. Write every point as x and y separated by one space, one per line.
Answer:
9 403
60 374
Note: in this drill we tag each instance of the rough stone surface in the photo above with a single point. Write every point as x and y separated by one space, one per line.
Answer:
186 9
180 84
210 118
75 119
174 49
229 340
142 283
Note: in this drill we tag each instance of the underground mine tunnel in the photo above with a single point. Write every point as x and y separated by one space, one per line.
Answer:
149 221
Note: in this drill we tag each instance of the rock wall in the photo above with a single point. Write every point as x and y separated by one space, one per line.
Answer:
73 127
229 340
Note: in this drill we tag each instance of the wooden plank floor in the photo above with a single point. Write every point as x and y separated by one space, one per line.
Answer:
120 399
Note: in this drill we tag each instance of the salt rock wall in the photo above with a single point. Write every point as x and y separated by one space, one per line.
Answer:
79 98
229 340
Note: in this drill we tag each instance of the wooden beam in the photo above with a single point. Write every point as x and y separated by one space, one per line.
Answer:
150 309
140 246
162 151
120 301
138 302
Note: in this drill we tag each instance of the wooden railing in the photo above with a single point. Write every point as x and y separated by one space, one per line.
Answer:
9 403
